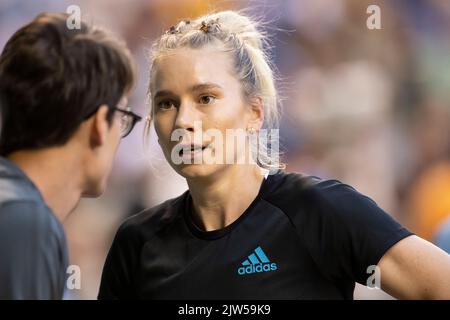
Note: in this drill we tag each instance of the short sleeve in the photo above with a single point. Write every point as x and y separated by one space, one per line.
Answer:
345 231
33 253
118 271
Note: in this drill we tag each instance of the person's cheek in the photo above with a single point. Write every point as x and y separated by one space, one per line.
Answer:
162 135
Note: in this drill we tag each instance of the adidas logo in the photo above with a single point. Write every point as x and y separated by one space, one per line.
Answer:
257 262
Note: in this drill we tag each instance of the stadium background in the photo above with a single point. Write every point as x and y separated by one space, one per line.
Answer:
368 107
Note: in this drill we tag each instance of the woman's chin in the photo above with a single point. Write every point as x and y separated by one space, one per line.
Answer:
191 171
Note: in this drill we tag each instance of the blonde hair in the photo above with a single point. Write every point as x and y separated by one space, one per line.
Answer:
241 37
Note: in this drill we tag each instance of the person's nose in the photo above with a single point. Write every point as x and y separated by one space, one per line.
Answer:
186 117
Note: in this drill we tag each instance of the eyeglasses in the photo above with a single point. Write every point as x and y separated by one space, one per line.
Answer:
128 120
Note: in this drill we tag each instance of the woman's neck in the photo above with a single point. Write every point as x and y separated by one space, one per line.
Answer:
220 201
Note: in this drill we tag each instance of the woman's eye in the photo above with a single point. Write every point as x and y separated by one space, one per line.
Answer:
165 105
207 99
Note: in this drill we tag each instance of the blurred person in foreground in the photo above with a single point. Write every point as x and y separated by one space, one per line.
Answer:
245 229
63 99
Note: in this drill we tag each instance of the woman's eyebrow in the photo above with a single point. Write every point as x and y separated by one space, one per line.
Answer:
163 93
197 87
205 86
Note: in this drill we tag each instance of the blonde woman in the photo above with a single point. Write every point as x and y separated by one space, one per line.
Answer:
238 233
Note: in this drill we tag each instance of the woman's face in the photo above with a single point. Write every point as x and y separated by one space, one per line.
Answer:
196 94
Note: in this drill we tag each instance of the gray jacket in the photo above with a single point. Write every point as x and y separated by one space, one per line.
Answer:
33 251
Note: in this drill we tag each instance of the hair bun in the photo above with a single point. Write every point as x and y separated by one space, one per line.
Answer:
241 26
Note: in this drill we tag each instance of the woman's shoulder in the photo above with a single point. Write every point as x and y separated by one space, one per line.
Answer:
311 196
299 185
152 219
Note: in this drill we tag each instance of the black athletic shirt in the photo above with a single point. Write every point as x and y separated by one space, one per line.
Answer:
301 238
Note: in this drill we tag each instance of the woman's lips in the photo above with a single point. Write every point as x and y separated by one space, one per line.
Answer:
191 150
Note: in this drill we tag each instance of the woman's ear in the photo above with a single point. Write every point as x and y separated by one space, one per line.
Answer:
256 119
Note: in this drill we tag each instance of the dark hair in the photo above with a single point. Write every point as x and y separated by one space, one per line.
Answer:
52 77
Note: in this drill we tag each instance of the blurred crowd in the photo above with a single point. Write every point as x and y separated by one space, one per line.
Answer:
370 108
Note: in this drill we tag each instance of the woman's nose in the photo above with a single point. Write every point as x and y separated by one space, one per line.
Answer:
186 117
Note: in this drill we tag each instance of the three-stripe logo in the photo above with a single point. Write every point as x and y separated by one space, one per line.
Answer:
257 262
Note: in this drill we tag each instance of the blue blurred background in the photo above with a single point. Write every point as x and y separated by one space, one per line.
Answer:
368 107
